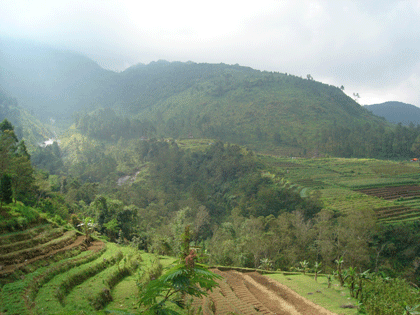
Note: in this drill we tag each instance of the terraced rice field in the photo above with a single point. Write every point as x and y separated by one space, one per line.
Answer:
251 293
47 270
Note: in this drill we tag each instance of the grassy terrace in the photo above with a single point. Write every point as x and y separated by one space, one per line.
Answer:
104 280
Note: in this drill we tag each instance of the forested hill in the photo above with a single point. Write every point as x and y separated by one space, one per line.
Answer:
273 112
396 112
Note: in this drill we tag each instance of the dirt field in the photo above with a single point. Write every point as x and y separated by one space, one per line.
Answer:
252 293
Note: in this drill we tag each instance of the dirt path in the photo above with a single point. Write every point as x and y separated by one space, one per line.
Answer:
261 294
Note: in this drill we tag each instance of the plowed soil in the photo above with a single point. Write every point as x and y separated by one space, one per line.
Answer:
252 293
392 193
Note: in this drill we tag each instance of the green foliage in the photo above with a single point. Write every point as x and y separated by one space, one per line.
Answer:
48 158
383 296
88 226
6 193
15 164
17 216
185 278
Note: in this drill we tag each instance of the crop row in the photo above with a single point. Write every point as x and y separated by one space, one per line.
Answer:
85 287
39 239
233 296
390 193
55 291
23 235
396 213
43 249
18 297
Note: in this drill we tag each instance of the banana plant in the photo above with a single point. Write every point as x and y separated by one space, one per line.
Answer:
304 266
317 267
339 262
363 277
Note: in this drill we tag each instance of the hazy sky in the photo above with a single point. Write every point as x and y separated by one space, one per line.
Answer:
370 47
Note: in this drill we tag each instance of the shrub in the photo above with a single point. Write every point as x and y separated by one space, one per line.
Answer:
384 296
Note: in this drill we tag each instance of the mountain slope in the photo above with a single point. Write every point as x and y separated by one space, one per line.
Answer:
263 110
396 112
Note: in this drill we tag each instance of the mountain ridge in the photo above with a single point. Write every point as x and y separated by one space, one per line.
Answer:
396 112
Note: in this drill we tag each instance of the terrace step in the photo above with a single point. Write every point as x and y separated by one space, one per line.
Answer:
41 238
20 256
8 269
57 290
20 295
392 193
18 236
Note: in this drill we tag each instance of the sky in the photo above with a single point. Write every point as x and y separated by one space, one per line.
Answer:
371 47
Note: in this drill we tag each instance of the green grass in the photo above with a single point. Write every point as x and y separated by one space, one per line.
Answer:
90 292
51 297
318 292
125 293
17 296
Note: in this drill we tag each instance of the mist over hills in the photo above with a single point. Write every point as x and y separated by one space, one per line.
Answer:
182 99
47 81
396 112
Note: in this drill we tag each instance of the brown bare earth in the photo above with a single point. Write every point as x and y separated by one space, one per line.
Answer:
252 293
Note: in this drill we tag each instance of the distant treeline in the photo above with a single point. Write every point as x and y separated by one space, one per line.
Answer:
371 142
359 141
104 124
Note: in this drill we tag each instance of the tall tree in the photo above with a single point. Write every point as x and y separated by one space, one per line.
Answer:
6 189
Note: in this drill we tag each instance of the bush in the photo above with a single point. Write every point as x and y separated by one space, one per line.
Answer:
384 296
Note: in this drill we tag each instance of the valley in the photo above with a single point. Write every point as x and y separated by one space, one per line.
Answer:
276 178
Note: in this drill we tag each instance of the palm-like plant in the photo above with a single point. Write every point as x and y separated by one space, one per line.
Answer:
363 277
317 267
185 278
266 264
304 266
350 276
88 225
339 262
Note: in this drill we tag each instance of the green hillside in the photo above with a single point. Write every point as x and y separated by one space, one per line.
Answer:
259 109
271 112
